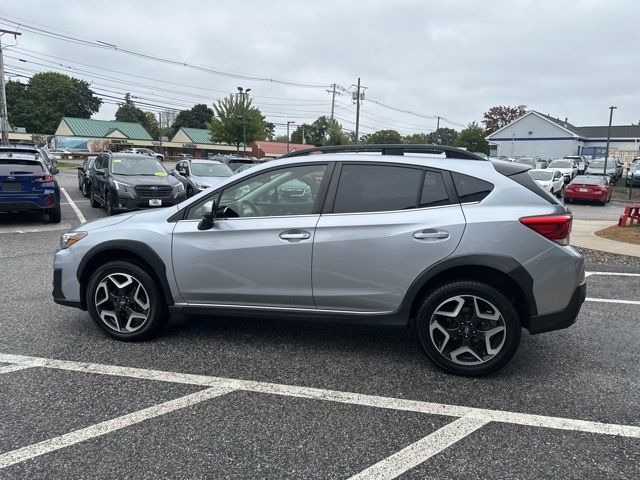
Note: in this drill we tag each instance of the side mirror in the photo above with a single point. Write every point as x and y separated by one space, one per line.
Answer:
172 171
54 170
208 215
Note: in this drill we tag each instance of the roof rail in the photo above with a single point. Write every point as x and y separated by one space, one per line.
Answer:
389 149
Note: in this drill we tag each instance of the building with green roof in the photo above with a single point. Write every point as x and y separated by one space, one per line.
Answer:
197 142
98 135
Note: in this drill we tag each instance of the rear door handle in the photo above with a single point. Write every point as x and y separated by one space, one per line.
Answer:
295 235
431 234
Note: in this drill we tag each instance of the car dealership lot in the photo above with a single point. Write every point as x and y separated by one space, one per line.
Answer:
246 398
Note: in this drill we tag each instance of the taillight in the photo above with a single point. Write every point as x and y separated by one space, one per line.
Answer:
554 227
45 178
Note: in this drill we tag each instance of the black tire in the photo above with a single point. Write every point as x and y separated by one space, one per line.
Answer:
486 293
158 312
94 201
55 214
80 182
108 204
86 190
189 191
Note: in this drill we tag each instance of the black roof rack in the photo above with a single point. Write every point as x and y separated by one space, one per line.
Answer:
389 149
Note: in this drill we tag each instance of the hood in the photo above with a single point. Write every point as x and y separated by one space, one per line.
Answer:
210 181
103 222
146 180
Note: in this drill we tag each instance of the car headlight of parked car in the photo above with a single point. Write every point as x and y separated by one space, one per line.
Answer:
70 238
202 186
122 187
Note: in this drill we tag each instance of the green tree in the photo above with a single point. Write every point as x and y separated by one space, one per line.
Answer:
280 138
227 123
151 124
323 131
497 117
128 112
197 116
472 138
40 105
443 136
382 136
416 138
336 135
300 132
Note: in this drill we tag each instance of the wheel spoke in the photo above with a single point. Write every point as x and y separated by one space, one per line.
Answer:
128 280
459 301
436 326
483 315
461 351
143 302
134 316
103 292
487 335
105 314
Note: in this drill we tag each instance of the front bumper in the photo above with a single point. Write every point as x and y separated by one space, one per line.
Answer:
129 201
563 318
58 294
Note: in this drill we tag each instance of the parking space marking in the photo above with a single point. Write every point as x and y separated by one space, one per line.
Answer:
25 453
13 368
612 300
73 205
45 228
420 451
417 406
616 274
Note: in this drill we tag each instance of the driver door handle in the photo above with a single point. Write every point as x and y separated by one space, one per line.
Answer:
295 235
431 234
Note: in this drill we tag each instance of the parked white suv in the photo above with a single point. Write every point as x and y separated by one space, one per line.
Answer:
580 161
550 180
568 168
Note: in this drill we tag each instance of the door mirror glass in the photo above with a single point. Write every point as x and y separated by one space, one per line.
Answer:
54 170
208 215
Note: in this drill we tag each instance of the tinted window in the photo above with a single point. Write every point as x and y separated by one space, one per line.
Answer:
377 188
210 170
434 193
471 189
101 162
16 167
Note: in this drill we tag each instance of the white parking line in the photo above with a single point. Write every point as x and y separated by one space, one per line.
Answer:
108 426
617 274
13 368
420 451
333 396
612 300
73 205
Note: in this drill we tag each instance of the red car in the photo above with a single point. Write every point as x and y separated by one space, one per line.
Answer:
588 187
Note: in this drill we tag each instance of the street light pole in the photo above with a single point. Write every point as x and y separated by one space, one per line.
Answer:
243 94
606 153
4 121
288 123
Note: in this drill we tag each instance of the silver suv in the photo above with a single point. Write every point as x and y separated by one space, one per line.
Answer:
462 250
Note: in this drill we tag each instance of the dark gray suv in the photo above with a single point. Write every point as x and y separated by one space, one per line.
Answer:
461 250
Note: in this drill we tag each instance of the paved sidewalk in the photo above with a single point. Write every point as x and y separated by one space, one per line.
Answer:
583 235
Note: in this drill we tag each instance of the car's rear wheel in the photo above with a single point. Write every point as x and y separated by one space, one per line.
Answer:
468 328
125 302
55 214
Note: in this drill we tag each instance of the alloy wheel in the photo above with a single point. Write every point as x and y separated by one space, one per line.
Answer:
122 302
467 330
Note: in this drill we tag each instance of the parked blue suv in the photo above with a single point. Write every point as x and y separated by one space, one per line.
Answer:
26 183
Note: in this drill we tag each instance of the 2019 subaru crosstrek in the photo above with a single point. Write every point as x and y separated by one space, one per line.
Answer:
462 250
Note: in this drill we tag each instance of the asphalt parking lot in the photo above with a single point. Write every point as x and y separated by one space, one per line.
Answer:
246 398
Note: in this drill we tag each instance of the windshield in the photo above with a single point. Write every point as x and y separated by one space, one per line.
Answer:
560 164
599 164
210 170
541 175
16 167
138 166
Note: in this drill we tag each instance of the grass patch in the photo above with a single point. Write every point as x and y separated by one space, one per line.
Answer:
67 165
628 234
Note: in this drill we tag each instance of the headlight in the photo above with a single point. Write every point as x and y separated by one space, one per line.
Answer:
202 186
70 238
179 187
120 186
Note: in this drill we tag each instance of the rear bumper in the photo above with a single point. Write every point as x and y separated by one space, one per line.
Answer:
563 318
27 202
585 196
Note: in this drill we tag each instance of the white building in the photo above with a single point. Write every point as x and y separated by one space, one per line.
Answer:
538 135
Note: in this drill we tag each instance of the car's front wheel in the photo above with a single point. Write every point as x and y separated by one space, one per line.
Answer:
125 301
85 188
468 328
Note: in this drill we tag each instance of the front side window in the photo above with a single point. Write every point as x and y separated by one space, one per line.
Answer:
282 192
377 188
210 170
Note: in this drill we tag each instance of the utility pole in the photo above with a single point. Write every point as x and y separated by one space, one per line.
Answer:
606 153
333 100
288 123
358 113
4 121
244 94
438 124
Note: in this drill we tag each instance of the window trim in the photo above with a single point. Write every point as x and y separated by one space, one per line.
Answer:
328 208
317 206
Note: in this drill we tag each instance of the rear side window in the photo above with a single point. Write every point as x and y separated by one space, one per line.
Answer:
470 189
377 188
434 192
17 167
